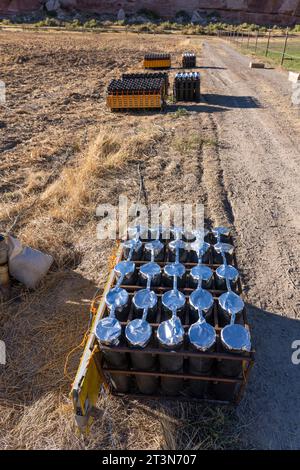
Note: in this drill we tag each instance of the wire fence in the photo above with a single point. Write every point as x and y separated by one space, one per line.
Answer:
281 48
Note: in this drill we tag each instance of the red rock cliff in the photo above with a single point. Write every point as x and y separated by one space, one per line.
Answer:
276 11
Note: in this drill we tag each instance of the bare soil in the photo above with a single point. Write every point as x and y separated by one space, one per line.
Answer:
63 152
259 161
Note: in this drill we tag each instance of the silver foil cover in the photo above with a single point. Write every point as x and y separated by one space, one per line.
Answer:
173 299
150 269
231 303
170 333
138 333
108 331
236 338
200 234
198 245
202 336
221 231
201 272
155 245
174 269
202 299
224 247
132 243
228 271
116 297
145 298
178 244
124 268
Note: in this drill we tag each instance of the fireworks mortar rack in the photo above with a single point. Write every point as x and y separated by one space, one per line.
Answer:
188 60
191 342
187 86
138 91
157 61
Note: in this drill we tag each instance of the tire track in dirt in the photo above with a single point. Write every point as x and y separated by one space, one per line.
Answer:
260 161
265 141
218 202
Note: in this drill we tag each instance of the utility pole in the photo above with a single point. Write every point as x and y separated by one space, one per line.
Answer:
285 44
256 41
268 43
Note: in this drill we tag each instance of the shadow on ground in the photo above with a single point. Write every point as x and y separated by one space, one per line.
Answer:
41 333
198 108
198 67
173 108
230 101
39 329
273 391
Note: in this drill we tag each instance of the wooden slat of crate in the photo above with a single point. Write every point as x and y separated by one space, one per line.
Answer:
157 63
134 101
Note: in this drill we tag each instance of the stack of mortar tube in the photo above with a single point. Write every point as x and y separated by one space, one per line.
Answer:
188 60
148 75
136 86
235 338
157 56
157 60
170 333
139 332
187 86
109 330
202 335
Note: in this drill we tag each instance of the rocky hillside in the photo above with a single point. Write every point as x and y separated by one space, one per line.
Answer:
252 11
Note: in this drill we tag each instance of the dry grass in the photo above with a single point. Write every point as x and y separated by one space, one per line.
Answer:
53 211
52 183
72 196
47 424
191 142
168 425
44 326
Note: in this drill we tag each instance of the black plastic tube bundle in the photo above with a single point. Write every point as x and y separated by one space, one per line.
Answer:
157 56
188 60
133 86
187 86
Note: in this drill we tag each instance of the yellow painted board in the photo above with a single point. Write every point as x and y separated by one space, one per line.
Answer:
153 64
91 384
134 101
89 378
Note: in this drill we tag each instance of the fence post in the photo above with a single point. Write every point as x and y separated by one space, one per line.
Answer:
285 44
268 43
248 40
256 41
242 37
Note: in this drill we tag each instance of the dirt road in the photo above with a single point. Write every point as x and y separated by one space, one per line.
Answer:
63 153
258 159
